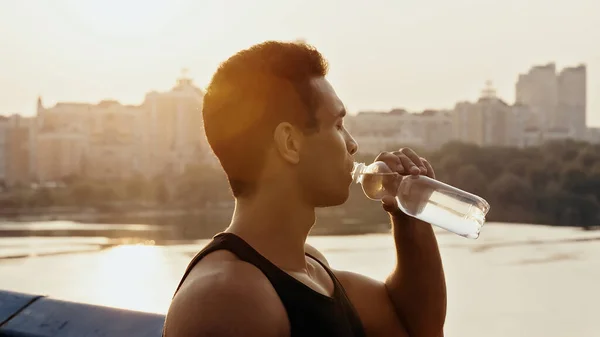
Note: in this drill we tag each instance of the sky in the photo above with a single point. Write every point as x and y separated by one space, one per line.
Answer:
383 54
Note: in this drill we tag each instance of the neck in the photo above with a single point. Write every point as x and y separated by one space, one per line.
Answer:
276 225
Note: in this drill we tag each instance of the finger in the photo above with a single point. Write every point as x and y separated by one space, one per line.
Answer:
392 161
409 166
389 204
415 159
391 184
430 171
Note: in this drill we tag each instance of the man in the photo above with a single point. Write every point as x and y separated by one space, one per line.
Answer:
276 125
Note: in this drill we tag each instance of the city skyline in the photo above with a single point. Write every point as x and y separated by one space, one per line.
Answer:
184 72
385 55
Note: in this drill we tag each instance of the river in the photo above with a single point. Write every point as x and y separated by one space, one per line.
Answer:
515 280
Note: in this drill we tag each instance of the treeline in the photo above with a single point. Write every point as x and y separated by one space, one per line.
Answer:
196 187
557 183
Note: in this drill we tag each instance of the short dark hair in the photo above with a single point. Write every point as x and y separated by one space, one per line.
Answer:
249 95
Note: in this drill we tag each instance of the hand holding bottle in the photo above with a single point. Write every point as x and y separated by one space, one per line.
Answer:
405 162
405 183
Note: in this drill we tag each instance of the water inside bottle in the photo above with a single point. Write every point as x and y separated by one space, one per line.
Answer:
448 213
426 199
377 185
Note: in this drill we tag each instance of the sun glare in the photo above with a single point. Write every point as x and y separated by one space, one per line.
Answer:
128 275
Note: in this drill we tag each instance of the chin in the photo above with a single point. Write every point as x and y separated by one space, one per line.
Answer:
332 200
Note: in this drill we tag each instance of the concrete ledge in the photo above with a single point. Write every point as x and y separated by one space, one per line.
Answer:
32 316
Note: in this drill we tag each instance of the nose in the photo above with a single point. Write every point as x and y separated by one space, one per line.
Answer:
351 144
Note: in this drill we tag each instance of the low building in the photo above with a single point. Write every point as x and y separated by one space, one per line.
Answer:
384 131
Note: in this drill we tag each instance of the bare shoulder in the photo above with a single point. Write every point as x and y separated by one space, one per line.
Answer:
314 252
224 296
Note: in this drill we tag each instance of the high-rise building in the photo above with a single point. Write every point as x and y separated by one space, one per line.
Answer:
558 101
538 89
572 100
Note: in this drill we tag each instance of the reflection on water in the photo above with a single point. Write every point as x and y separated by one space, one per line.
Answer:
66 225
25 247
529 281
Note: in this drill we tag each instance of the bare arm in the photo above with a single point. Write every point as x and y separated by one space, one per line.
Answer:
219 304
371 300
412 301
417 286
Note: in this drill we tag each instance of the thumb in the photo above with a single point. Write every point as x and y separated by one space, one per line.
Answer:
389 204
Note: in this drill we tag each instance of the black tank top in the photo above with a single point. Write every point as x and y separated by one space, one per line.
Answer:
309 312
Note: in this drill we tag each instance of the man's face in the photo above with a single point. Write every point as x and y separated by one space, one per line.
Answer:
326 157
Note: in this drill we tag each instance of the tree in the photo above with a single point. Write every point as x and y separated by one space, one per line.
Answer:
82 193
574 180
469 178
510 189
136 187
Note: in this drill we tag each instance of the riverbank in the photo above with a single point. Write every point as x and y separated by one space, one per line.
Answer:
163 225
160 227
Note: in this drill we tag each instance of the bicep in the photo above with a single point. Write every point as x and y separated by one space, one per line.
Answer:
370 299
373 304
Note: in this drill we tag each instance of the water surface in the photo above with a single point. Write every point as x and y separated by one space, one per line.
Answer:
512 281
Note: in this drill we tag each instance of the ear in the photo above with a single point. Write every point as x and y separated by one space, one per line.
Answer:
288 141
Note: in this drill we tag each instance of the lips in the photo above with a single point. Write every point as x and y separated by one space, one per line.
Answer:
350 168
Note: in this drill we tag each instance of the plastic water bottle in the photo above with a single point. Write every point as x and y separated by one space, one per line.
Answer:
424 198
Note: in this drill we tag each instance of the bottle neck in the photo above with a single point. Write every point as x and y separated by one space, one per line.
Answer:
357 172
